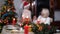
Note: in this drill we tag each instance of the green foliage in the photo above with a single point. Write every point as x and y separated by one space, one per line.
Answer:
46 29
7 15
4 13
1 26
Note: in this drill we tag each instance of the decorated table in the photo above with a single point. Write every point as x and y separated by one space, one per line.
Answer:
4 31
28 27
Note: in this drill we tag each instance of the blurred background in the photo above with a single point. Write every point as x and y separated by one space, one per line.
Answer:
52 5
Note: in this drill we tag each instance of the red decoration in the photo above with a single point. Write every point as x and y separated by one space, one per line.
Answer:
25 3
21 24
26 27
49 27
38 21
13 21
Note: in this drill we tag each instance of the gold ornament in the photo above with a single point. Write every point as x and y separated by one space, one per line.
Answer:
4 7
40 28
30 29
37 25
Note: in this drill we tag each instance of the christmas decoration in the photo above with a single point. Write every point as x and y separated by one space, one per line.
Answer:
43 29
40 28
26 27
8 17
7 12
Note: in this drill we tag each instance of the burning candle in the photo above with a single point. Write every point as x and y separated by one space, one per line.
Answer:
13 21
26 27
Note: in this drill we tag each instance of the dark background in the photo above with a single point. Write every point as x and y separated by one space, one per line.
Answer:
47 4
42 4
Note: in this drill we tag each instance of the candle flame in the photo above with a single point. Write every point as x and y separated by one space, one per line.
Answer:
13 18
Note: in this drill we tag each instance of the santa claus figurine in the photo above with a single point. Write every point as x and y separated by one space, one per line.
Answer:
19 5
26 14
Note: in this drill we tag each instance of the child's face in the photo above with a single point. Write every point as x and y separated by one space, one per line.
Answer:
45 14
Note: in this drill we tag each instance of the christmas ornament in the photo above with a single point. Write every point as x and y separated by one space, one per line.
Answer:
40 28
8 10
30 28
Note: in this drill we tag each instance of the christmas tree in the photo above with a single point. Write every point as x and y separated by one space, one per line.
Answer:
7 13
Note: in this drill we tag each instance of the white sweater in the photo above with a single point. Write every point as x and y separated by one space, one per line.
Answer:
43 20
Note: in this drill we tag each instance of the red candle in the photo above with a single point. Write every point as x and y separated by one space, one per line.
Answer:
26 27
13 21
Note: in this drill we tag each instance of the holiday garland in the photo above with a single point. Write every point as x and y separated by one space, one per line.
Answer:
40 28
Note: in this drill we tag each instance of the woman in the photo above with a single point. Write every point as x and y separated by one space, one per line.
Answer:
44 17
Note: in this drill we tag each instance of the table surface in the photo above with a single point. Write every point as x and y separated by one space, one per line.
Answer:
4 31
